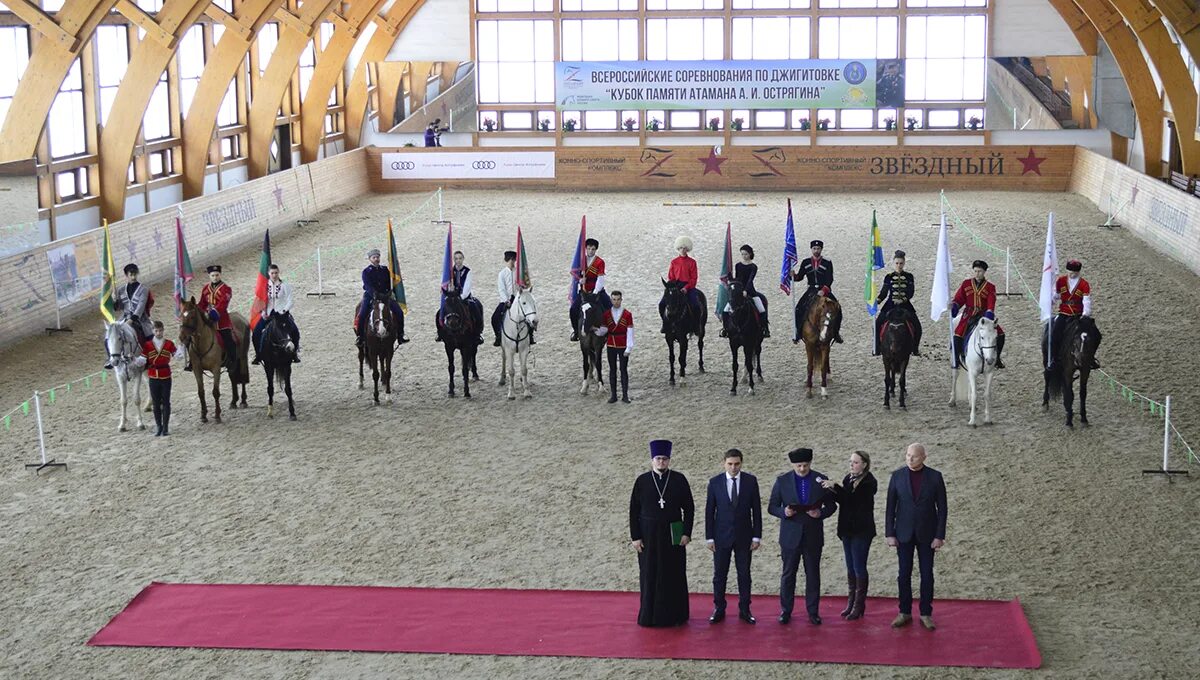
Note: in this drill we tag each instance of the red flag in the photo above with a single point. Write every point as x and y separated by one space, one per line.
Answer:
260 286
522 274
183 267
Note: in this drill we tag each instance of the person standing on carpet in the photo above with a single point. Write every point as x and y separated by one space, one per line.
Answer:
732 528
856 527
802 505
915 520
661 512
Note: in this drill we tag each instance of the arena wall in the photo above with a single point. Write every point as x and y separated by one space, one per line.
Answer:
213 225
1153 210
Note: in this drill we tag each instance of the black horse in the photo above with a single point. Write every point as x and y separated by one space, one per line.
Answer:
1076 352
277 353
743 327
458 332
679 321
591 345
896 343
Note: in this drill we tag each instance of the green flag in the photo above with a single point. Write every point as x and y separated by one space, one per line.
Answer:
726 274
394 267
108 307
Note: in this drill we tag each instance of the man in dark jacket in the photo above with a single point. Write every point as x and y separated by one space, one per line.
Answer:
915 520
802 505
732 527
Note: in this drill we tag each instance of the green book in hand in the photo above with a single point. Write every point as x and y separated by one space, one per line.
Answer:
676 532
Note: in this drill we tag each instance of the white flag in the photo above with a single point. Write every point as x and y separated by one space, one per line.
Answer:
939 296
1049 273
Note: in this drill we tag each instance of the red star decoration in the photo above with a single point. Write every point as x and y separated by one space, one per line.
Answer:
713 162
1031 163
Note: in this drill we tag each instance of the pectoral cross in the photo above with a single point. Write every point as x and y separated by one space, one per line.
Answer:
662 504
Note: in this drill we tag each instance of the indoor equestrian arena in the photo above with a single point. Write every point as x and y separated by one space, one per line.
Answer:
425 533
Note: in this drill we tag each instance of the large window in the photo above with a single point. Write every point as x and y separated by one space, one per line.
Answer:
771 38
685 39
857 37
68 135
946 58
157 122
14 54
112 57
191 65
268 38
516 61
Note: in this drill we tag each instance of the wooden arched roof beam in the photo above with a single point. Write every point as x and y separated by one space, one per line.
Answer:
66 35
1146 22
1147 103
220 68
1185 19
293 39
150 57
387 29
330 65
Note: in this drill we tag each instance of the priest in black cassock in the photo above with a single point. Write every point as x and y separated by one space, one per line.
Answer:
661 512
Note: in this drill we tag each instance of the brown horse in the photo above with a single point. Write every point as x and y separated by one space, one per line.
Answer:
379 345
817 338
199 335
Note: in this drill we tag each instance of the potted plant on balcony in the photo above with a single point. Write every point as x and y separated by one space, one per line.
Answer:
544 125
973 122
569 124
489 124
714 124
823 124
629 124
737 123
889 123
805 124
654 125
910 123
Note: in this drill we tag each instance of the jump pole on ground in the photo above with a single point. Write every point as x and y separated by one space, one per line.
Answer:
37 409
1166 470
320 291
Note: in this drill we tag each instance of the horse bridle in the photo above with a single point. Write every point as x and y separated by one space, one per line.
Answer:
380 306
120 358
192 330
523 321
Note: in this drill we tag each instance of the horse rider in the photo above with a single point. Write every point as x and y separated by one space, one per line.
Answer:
592 283
1073 295
133 300
818 271
744 273
618 325
377 280
279 301
460 282
683 269
897 291
506 290
976 296
157 353
214 301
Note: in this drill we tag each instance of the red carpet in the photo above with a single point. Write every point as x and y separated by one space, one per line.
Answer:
987 634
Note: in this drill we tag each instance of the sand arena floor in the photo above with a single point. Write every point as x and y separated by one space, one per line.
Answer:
533 494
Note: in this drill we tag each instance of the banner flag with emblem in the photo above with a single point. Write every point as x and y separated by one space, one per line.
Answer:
521 278
183 265
578 263
108 306
394 268
260 285
874 264
447 263
1049 274
790 258
726 271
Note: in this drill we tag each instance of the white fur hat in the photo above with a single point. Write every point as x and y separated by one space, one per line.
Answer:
683 242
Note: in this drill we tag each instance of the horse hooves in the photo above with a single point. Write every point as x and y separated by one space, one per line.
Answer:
672 382
141 426
903 407
292 416
512 397
527 396
203 419
887 406
502 383
733 393
808 395
1084 423
451 395
122 429
1070 425
270 415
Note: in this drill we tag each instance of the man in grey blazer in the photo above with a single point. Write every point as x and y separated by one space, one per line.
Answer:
732 527
915 520
802 505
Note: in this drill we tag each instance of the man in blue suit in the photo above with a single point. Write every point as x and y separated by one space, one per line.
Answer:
732 527
803 505
915 520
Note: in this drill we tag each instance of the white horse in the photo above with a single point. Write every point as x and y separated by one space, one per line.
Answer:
125 355
519 323
980 359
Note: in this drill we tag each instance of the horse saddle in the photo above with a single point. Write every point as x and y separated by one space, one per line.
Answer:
237 339
894 316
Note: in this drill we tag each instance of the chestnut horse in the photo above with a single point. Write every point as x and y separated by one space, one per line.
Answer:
817 338
200 336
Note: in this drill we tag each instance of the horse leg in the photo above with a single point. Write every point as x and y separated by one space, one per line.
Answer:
971 386
450 366
1068 391
987 397
503 364
1045 389
671 357
375 361
137 398
287 389
468 364
525 373
903 381
361 359
683 350
122 392
386 363
808 379
751 352
888 377
233 401
197 372
954 386
508 370
700 352
1083 381
270 371
825 372
217 394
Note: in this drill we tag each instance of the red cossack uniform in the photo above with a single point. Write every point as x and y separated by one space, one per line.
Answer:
1071 301
976 299
684 269
618 329
217 296
158 361
594 271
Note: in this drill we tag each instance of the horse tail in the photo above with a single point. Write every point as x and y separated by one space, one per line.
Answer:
1054 380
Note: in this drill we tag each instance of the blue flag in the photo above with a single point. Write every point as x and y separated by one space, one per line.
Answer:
579 262
790 257
447 260
874 264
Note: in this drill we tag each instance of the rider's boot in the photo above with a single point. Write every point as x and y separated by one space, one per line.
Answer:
724 325
531 340
999 349
766 325
296 356
497 342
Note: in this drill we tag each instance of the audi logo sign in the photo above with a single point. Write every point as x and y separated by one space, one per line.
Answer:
468 164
